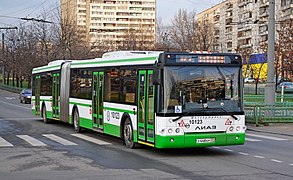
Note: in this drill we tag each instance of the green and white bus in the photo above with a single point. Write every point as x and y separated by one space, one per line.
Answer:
159 99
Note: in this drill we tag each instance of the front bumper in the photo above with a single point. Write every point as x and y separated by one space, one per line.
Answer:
190 140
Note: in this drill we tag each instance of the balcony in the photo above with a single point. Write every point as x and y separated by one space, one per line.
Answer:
246 46
266 4
286 7
264 14
244 2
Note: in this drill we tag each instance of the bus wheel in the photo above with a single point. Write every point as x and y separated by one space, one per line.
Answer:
44 115
77 127
128 134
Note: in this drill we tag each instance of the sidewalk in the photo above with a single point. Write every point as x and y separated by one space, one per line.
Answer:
281 128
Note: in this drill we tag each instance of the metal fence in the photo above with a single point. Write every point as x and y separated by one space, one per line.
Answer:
256 111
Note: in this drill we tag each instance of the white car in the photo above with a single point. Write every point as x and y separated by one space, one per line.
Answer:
249 80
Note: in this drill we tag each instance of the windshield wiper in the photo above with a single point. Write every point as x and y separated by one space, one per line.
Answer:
186 113
232 115
205 109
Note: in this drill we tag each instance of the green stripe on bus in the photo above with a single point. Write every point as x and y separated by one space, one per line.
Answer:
115 61
80 104
86 123
115 131
45 68
119 110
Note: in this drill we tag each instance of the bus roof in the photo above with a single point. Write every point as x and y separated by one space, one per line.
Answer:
118 58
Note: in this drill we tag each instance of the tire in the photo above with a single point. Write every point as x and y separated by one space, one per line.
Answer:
76 124
44 115
128 134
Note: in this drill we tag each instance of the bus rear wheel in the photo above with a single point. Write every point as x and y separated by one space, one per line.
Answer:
76 124
128 134
44 115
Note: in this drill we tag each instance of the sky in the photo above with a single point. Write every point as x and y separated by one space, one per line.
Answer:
10 10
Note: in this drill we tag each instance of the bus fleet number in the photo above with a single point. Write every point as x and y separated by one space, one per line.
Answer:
195 122
115 115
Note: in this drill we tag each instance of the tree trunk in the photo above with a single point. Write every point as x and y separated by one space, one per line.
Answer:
17 80
13 78
7 80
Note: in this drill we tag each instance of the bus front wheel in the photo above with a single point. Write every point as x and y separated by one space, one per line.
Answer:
76 125
128 134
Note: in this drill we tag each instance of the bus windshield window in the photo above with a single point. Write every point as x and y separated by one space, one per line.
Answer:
201 88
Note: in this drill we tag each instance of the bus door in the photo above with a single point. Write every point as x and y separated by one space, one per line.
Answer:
146 115
37 94
97 100
55 95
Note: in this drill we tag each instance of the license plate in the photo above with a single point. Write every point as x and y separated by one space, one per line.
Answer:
206 140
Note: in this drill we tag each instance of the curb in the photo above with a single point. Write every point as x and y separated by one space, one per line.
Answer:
269 132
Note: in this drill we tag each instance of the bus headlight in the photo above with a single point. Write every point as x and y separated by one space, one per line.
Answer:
238 128
177 130
231 128
170 131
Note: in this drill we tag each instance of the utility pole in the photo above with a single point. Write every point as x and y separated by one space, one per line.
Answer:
269 89
2 61
2 67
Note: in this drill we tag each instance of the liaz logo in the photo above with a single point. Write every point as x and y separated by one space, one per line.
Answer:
205 127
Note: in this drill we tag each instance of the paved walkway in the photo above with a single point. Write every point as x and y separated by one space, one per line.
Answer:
282 128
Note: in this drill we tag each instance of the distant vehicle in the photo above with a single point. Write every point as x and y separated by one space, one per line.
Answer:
288 87
249 80
25 96
283 80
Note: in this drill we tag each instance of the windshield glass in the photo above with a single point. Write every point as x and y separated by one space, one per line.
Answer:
201 89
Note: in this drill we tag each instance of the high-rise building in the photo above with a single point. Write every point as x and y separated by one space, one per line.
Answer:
242 25
118 24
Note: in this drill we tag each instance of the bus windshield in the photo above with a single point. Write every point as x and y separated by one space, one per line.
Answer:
201 89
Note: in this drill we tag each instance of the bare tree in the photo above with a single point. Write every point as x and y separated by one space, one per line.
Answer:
184 30
163 37
204 35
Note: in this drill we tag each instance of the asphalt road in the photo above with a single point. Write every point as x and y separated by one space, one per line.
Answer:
30 149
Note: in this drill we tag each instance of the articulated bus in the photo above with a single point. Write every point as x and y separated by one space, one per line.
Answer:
158 99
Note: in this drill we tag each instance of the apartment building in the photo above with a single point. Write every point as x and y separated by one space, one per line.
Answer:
118 24
242 25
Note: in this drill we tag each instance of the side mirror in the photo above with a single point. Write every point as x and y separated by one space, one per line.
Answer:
156 79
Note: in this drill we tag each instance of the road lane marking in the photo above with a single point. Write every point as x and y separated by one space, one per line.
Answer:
242 153
260 157
275 160
266 137
90 139
291 164
230 150
31 140
9 98
251 140
4 143
14 105
16 119
59 139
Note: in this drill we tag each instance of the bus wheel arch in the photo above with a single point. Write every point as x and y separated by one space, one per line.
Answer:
127 131
76 119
